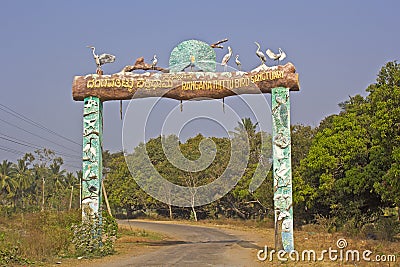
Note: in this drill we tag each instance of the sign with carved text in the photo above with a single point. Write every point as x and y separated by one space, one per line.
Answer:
184 85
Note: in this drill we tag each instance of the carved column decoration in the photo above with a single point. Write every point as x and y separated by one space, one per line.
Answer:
282 169
92 157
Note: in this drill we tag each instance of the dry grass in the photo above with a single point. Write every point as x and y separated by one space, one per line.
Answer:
312 237
39 239
38 236
318 242
130 243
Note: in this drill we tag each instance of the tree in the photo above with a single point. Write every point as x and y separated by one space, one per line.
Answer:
23 179
58 175
302 137
123 191
384 109
34 182
335 169
43 160
7 181
248 126
352 169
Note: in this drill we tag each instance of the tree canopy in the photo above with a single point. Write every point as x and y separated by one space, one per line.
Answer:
346 169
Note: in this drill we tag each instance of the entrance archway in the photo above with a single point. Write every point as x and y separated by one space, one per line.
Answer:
193 74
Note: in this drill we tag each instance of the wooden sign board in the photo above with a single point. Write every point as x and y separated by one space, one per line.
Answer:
184 85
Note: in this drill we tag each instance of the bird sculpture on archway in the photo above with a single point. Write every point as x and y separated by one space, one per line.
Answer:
101 59
226 58
280 56
238 63
260 54
154 61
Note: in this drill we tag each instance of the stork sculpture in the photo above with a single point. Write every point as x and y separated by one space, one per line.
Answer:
260 54
238 63
280 56
226 58
154 61
101 59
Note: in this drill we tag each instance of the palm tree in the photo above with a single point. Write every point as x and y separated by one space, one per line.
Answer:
7 182
38 186
79 175
23 179
248 126
58 175
71 182
58 179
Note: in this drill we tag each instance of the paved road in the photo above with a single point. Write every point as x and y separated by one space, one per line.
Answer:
194 246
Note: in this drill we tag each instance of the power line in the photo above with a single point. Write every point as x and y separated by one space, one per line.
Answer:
27 144
18 142
75 167
32 122
17 152
76 161
34 146
11 150
43 138
31 145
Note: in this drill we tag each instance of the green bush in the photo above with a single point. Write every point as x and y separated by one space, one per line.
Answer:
11 256
387 228
95 238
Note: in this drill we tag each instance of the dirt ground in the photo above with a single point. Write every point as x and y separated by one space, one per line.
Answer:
308 239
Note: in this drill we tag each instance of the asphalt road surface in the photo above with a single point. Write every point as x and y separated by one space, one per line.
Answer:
194 246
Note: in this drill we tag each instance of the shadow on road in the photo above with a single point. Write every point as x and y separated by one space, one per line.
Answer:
241 243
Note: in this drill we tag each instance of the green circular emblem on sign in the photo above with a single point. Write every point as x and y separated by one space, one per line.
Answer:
192 55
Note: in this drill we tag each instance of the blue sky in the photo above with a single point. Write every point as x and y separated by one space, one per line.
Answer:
337 47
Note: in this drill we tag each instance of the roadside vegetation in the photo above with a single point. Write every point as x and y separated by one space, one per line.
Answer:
346 178
346 171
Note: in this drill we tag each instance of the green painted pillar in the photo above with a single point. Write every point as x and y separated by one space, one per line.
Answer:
282 169
92 169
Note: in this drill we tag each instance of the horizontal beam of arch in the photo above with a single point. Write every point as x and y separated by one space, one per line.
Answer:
185 85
